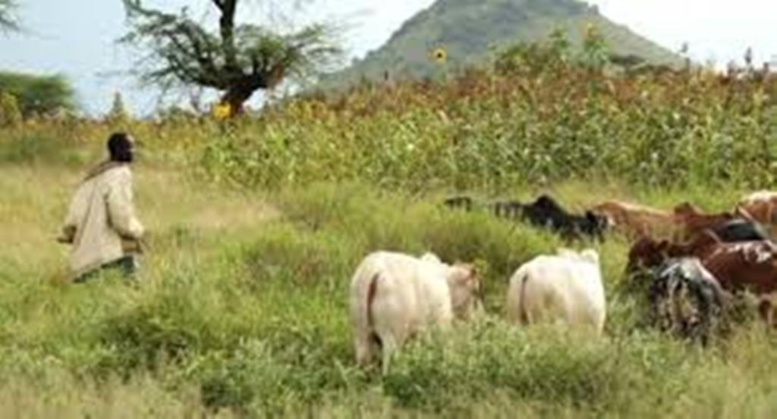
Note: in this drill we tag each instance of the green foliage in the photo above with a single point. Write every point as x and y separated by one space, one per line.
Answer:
10 114
38 95
544 114
252 320
237 59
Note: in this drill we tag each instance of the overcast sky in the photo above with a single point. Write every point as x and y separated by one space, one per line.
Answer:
76 37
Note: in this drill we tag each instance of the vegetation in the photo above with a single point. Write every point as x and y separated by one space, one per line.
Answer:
471 31
238 59
257 224
545 114
38 95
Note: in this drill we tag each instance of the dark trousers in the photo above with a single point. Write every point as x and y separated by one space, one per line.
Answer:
126 266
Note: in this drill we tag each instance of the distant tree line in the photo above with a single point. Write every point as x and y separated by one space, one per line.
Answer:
37 95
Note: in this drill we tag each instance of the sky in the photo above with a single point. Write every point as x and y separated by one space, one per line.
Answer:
77 37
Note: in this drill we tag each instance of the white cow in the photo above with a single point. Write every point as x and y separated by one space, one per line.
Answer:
565 287
395 296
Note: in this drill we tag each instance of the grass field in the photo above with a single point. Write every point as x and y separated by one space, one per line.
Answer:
240 310
256 226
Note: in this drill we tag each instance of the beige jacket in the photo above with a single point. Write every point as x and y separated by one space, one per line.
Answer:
101 222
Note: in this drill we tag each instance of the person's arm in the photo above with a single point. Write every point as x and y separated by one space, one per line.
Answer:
121 211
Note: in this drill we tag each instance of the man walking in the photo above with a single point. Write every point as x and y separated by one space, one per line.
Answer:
101 224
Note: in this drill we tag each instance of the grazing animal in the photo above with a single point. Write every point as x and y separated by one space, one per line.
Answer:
460 202
740 230
637 220
693 221
686 299
565 287
742 266
546 212
395 296
760 206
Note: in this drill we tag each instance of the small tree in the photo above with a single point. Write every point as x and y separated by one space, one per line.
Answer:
38 95
237 59
118 112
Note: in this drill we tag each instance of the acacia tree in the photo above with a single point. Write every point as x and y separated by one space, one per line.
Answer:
235 59
8 19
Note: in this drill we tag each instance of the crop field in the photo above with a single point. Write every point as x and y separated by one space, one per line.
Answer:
256 226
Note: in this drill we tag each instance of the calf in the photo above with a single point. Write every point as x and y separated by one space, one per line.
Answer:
395 296
546 212
637 220
566 287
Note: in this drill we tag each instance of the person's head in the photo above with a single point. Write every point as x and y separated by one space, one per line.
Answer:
120 147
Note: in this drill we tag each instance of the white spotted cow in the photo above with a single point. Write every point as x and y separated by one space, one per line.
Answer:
566 287
395 296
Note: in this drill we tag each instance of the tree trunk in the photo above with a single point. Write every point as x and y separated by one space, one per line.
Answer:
236 96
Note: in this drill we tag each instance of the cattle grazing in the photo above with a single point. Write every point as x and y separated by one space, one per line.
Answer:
546 212
395 296
738 267
460 202
637 220
566 287
686 300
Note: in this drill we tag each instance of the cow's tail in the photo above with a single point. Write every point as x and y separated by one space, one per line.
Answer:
366 322
365 336
517 303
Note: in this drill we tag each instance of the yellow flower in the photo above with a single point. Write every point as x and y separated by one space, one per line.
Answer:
221 111
440 55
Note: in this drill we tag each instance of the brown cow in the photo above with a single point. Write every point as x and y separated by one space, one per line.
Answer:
760 206
743 266
637 220
692 221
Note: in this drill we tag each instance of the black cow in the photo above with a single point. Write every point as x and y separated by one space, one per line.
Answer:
546 212
740 230
460 202
686 300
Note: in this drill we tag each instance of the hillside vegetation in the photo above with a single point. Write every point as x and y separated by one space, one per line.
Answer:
471 32
256 226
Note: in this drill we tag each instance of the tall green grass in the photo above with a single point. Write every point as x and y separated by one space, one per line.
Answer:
252 321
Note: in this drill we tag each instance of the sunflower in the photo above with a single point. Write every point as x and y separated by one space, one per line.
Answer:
440 55
221 111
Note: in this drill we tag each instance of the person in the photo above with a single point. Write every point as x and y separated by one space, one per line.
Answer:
101 224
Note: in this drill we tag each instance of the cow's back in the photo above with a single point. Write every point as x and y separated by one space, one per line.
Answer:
560 288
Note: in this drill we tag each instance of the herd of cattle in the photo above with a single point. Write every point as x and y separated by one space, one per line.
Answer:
693 266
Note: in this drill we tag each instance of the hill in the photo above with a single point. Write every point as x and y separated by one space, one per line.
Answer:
469 31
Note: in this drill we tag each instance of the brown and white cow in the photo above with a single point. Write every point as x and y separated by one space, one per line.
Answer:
740 266
395 296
